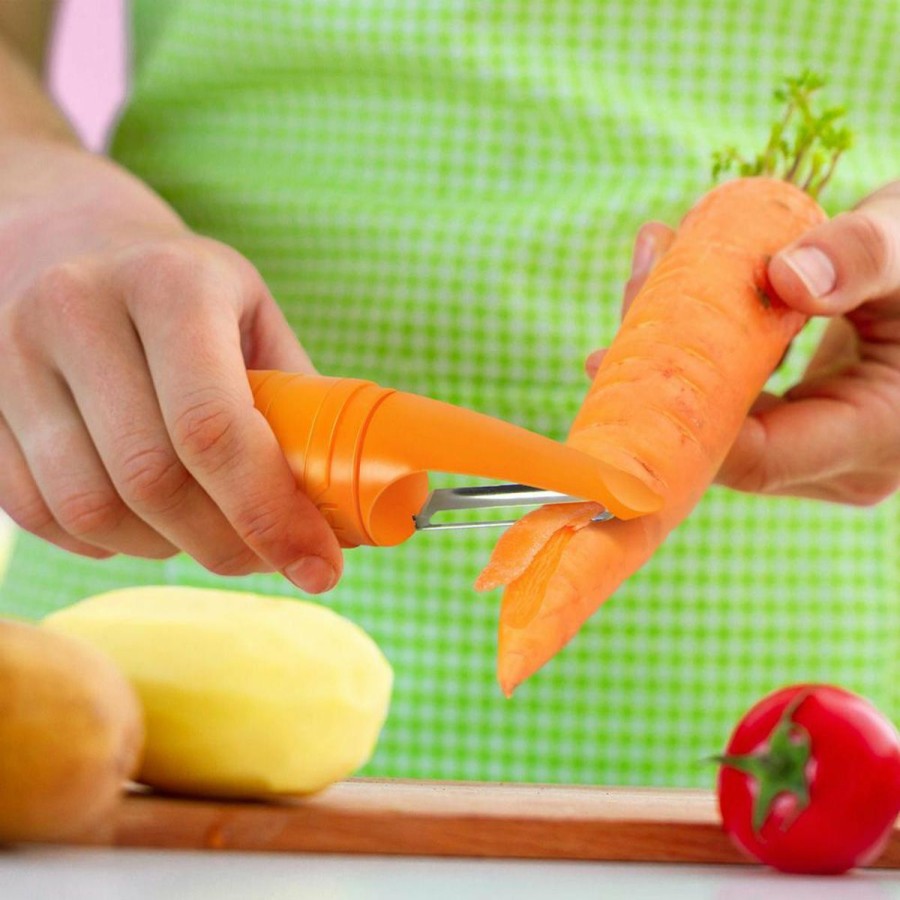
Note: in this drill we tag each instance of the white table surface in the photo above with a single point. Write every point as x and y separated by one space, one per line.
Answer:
50 873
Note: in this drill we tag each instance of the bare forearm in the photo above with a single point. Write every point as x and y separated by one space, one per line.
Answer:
44 168
26 108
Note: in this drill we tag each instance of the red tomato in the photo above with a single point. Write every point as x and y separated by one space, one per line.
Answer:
810 780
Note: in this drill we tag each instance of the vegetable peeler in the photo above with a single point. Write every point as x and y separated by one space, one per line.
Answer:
362 454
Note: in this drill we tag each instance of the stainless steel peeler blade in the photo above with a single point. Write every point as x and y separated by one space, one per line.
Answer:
489 496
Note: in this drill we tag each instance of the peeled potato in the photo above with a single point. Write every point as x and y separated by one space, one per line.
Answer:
244 695
70 734
7 535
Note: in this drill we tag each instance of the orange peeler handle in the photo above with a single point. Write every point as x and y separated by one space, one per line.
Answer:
362 454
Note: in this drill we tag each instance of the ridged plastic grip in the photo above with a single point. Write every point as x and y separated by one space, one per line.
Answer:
362 453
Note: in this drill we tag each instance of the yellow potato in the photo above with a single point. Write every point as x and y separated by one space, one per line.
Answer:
243 695
7 535
70 734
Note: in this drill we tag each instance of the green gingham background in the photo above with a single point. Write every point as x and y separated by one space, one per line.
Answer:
443 196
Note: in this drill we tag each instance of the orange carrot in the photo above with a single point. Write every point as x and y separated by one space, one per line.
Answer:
532 533
693 352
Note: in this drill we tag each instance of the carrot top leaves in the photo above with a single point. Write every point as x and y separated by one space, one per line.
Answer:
804 145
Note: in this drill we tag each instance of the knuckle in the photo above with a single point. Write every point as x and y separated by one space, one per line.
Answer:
204 430
167 263
63 291
269 525
152 477
871 240
31 513
241 562
261 524
208 273
59 300
89 512
170 270
220 255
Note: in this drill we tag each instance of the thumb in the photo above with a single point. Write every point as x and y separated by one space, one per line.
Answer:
843 263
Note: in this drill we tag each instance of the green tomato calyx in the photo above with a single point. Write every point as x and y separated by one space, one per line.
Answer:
778 769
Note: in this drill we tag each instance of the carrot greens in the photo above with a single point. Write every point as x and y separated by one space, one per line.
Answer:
804 144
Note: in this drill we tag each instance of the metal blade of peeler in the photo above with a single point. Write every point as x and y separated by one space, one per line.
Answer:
488 497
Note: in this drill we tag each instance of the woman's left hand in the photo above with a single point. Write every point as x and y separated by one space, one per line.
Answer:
835 435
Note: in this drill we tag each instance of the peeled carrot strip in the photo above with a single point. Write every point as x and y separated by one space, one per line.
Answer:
696 347
523 605
517 547
591 564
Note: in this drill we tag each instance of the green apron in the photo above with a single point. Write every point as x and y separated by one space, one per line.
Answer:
443 198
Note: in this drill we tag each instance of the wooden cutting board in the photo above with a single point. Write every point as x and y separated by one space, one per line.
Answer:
445 819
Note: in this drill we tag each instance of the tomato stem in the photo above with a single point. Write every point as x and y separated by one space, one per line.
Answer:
778 769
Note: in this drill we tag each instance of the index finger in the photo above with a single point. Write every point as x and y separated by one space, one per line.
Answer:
188 320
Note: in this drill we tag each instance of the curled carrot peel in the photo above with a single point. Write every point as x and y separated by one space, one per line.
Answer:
696 347
532 533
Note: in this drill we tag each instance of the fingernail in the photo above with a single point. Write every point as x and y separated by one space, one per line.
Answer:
813 268
312 574
642 259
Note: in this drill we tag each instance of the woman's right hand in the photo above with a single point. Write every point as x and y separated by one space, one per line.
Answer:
127 423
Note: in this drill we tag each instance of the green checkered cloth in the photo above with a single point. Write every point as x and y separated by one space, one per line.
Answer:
443 196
